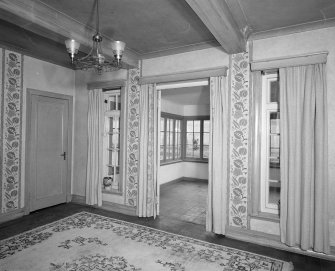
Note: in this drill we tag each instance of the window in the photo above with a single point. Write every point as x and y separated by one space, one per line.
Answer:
270 144
197 139
111 141
170 141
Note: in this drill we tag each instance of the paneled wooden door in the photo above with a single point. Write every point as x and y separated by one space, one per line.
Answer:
48 150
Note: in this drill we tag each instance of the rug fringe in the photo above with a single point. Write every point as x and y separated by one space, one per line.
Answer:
288 266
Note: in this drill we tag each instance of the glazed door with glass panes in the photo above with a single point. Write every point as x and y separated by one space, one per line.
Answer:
111 171
270 159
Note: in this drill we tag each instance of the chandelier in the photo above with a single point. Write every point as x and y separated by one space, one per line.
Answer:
95 60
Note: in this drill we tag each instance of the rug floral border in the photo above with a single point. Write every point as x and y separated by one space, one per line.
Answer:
140 233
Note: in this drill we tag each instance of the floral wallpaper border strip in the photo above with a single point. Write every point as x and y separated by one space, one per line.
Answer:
239 133
11 106
1 128
133 137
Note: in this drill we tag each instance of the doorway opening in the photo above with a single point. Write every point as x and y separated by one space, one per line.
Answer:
184 150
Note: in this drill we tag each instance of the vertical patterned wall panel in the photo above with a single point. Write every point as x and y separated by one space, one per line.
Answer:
11 123
133 137
239 123
1 128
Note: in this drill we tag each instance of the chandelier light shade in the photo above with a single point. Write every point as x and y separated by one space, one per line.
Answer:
95 59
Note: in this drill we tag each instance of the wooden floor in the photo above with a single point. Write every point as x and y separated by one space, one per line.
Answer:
185 200
169 224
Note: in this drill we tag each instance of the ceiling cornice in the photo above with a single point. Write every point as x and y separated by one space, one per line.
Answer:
293 29
46 18
216 15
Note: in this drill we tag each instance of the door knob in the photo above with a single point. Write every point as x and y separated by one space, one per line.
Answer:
64 155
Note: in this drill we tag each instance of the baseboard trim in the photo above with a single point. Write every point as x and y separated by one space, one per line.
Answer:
195 179
272 241
183 179
78 199
11 216
171 182
106 205
118 208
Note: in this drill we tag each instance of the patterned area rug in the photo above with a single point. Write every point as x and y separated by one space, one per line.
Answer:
87 242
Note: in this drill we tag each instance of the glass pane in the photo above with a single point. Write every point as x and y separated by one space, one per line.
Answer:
115 141
169 152
196 141
110 158
274 147
179 151
274 172
116 123
110 141
206 126
177 125
206 139
162 124
110 125
274 122
162 138
196 153
189 138
206 151
274 91
189 150
162 152
110 170
274 192
189 126
197 126
112 102
171 125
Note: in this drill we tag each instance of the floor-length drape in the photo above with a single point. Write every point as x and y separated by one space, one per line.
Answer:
304 158
148 156
95 149
216 215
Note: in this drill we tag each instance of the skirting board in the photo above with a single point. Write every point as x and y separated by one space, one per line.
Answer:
183 179
273 241
106 205
11 216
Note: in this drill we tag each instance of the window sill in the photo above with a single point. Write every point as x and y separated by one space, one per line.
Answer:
170 162
114 192
196 161
266 216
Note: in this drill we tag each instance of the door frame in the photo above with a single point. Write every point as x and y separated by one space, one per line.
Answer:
31 92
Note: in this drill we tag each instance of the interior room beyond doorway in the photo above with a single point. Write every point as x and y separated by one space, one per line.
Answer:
184 145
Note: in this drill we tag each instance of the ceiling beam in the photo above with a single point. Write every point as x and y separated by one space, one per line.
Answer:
216 15
43 18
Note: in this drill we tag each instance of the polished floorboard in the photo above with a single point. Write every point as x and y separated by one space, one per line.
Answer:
185 200
177 226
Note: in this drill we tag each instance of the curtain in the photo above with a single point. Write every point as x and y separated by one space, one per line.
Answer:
95 149
148 155
304 158
216 215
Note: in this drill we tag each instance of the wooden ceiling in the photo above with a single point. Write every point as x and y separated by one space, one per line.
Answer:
160 27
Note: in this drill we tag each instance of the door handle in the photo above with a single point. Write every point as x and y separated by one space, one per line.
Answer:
64 155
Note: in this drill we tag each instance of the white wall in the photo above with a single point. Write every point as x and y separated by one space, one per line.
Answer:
305 43
197 110
172 108
44 76
170 172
